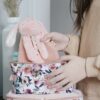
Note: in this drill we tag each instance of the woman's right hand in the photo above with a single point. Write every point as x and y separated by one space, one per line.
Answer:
60 40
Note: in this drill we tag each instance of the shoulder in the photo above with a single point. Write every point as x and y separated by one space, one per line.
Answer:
96 3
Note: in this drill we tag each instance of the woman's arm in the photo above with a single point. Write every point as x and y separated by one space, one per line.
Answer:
69 44
75 70
93 67
73 46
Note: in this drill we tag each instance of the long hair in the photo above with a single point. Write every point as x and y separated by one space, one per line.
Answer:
81 7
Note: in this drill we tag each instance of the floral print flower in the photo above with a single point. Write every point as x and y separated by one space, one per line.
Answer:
30 78
27 69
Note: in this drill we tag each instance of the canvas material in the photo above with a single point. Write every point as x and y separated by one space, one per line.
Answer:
30 78
76 95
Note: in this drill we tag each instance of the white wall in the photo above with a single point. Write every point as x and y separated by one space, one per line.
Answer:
1 83
38 9
3 19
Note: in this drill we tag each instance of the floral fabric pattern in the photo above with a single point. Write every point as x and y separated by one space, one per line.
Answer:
30 78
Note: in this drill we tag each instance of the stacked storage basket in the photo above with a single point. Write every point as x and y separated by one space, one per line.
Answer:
29 84
28 78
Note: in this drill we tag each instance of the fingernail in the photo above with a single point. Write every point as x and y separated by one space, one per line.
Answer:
49 87
48 83
63 63
53 86
46 77
59 89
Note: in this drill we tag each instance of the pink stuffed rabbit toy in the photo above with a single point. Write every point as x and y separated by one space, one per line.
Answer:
31 49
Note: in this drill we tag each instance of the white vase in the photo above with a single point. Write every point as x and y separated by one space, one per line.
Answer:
7 53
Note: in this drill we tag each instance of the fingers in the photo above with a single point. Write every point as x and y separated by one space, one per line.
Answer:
54 73
47 37
53 37
61 84
56 79
70 84
67 58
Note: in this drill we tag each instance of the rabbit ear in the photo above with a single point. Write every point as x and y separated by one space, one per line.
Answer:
11 39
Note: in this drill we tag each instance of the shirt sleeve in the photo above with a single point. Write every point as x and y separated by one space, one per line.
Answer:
73 45
93 66
97 65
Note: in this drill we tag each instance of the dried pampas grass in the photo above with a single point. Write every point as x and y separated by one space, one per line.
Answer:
12 7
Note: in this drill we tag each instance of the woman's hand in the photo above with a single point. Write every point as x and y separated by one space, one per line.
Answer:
69 74
60 40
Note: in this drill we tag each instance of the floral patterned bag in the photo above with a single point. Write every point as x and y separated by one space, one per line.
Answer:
30 78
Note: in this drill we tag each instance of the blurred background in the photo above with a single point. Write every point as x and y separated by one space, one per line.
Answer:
54 14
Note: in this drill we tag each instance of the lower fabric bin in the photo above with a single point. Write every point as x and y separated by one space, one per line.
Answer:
30 78
76 95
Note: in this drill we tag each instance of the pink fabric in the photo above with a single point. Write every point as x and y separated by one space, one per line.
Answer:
31 48
53 54
22 54
71 96
32 52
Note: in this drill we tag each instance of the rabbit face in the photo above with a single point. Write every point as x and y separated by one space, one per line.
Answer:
32 27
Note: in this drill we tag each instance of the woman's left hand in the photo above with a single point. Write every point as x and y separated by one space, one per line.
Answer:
69 74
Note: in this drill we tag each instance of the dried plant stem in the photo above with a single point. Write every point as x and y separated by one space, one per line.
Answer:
12 7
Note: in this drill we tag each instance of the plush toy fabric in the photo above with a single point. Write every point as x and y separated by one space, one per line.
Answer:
31 48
